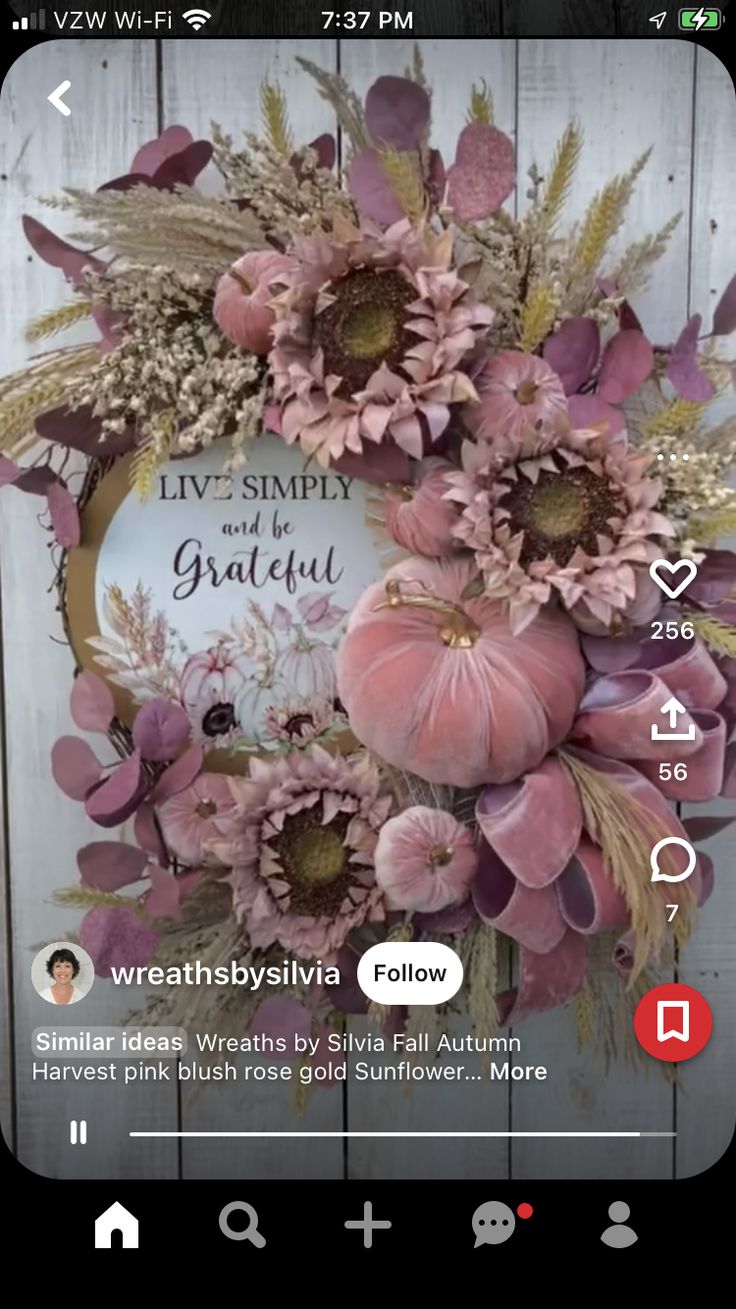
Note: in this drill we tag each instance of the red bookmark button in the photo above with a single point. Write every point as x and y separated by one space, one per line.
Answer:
673 1022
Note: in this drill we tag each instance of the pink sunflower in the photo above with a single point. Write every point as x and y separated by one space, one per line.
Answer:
302 858
297 723
565 513
370 340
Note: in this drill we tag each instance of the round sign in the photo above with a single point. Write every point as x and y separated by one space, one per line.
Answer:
228 595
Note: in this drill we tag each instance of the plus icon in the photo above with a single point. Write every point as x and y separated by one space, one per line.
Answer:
368 1224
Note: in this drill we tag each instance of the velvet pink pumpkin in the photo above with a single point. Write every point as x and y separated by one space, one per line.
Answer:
439 685
241 309
425 860
419 517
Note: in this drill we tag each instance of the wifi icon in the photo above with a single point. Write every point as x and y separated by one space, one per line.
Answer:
196 18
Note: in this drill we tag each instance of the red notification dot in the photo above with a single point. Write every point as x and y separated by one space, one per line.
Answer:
525 1211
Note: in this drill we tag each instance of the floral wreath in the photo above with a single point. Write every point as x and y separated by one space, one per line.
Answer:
491 379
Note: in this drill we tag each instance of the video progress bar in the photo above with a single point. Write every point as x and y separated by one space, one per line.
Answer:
406 1135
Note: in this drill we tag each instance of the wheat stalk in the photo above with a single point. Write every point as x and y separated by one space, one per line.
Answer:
631 273
334 89
482 979
405 181
718 636
605 216
150 456
561 173
584 1013
678 418
625 833
275 118
58 320
537 317
481 104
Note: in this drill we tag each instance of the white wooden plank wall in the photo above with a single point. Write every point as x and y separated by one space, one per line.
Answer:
628 95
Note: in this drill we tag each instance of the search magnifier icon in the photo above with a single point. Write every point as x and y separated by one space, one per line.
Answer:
250 1233
657 874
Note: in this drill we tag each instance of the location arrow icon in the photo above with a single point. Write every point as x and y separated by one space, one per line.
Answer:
56 100
659 19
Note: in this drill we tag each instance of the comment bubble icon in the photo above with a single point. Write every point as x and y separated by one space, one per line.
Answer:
493 1223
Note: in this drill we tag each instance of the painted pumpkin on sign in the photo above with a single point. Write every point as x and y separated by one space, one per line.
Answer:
440 685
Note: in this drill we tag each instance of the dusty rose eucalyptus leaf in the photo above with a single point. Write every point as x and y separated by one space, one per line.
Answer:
627 360
154 153
179 775
183 169
75 767
125 182
724 318
397 113
160 728
484 172
702 829
627 318
370 189
91 703
589 410
117 938
148 834
79 430
64 515
9 471
682 370
58 253
326 151
110 865
119 795
163 899
36 481
436 177
572 352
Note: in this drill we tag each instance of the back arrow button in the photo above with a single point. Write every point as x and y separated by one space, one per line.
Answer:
56 100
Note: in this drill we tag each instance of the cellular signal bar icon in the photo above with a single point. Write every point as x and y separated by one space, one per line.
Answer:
34 22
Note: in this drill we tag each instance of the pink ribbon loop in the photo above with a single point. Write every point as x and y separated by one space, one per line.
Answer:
532 918
545 980
589 900
534 824
617 715
692 676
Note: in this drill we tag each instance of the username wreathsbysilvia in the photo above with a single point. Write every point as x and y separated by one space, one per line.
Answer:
326 1057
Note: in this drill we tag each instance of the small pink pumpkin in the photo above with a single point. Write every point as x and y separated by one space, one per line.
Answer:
419 517
241 309
425 860
440 685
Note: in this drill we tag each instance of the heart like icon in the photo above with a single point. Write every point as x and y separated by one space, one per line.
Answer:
683 565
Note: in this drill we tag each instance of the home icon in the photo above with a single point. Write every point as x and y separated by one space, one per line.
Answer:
116 1219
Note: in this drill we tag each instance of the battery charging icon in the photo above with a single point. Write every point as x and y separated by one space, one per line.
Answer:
699 20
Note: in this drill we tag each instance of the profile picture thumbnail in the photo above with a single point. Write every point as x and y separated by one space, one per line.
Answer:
62 973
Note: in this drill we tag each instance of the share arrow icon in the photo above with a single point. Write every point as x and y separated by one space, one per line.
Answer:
659 19
673 709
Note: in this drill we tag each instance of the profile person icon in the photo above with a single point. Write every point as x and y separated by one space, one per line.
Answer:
619 1235
62 974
